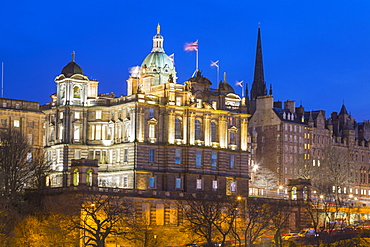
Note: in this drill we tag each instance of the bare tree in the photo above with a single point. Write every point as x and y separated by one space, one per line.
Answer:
279 217
21 165
256 220
210 216
265 179
101 216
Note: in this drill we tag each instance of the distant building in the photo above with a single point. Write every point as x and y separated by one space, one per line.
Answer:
289 138
24 116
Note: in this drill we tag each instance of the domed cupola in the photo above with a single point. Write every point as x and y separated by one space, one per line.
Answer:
72 68
224 87
158 65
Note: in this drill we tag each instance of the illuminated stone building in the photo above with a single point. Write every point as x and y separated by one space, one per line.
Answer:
162 136
25 116
288 137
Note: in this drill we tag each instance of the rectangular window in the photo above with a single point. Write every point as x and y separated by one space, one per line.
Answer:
151 182
97 156
178 156
151 155
151 113
232 138
118 155
125 155
178 183
61 115
214 185
233 187
151 131
98 132
91 155
104 157
98 115
76 134
5 105
178 101
232 161
16 123
198 158
125 181
77 115
77 154
29 157
199 184
214 160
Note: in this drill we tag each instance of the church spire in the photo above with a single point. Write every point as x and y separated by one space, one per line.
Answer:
258 86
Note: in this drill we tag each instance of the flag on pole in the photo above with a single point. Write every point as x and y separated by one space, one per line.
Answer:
191 46
215 63
239 83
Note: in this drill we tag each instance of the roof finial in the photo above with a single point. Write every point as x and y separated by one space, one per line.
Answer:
158 28
224 76
73 56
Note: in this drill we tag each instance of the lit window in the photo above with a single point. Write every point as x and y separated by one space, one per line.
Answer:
177 128
213 132
151 182
16 123
199 184
76 133
17 106
118 154
214 184
197 129
98 114
89 177
198 158
29 157
178 156
233 186
178 183
151 155
151 113
232 161
294 193
151 131
214 159
125 181
5 105
76 178
77 154
125 155
77 115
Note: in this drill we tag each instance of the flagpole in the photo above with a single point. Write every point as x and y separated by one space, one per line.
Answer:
2 79
243 89
218 73
196 61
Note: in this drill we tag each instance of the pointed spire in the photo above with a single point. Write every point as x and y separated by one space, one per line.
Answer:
310 119
343 110
270 89
258 86
73 56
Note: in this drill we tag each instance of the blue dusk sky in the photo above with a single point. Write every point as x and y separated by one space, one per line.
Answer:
315 52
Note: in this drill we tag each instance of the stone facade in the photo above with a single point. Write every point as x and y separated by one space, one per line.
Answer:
162 136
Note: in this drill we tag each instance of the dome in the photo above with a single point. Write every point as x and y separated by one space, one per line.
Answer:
225 87
72 68
200 79
158 60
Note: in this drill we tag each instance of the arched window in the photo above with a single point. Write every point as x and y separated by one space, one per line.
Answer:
178 128
294 193
197 130
77 92
213 132
89 176
305 194
76 178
